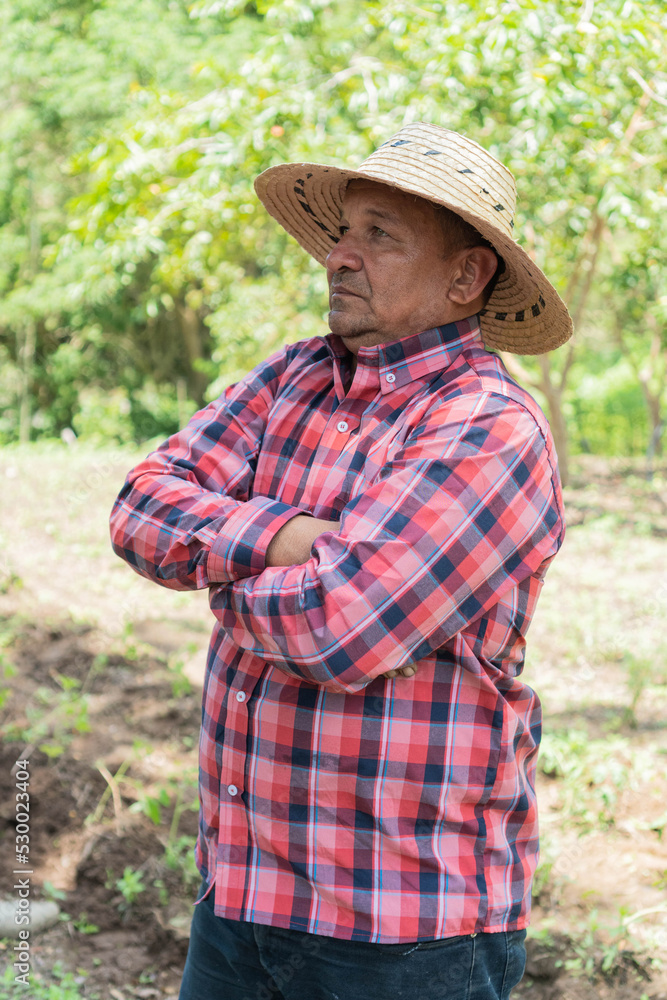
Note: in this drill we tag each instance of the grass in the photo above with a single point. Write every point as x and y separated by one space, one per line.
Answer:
61 985
54 543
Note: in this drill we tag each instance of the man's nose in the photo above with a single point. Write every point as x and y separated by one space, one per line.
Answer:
344 255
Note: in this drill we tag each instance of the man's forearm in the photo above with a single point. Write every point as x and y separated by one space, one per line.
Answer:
291 545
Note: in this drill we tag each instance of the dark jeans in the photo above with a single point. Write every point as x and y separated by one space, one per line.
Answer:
233 960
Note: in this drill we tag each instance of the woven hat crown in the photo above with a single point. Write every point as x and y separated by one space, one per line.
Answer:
441 165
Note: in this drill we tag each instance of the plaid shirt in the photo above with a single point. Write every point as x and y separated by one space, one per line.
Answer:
335 800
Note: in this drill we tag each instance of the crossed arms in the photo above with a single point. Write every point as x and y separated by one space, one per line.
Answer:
293 543
460 516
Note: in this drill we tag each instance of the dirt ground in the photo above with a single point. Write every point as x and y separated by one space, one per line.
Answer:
81 844
103 673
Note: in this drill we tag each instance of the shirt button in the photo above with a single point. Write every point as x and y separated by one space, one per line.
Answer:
240 695
342 426
232 789
390 377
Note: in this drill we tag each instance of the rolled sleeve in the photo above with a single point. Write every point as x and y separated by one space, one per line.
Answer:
240 548
187 510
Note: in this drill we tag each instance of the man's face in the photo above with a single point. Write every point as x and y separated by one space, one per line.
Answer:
387 274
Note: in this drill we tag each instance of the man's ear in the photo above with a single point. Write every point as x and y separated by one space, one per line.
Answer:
471 273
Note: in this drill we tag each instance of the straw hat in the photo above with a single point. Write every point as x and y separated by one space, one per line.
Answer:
524 315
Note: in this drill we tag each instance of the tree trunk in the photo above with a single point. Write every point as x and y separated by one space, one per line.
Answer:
553 392
653 405
190 326
26 360
652 377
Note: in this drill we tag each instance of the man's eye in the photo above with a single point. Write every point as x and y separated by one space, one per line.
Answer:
379 231
343 229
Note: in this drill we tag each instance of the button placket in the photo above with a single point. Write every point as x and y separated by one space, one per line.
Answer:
237 720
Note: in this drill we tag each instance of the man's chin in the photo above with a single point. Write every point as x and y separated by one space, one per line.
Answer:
346 326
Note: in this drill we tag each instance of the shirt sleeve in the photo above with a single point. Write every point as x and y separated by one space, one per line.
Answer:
185 517
465 511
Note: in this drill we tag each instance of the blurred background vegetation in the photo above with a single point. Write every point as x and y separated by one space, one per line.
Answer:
139 275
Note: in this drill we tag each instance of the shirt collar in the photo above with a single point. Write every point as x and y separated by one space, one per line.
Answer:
413 357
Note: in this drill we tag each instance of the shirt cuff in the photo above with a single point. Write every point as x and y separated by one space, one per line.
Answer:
239 550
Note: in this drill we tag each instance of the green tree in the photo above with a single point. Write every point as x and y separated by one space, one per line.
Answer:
166 278
69 69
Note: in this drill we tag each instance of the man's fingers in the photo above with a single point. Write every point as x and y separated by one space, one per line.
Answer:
401 672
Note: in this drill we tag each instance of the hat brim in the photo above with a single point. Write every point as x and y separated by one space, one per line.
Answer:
524 315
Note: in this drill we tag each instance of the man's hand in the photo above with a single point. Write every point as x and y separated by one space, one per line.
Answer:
408 671
291 545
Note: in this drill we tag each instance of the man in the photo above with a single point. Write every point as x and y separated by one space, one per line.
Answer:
373 512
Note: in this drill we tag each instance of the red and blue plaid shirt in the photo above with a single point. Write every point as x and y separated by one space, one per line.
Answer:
335 800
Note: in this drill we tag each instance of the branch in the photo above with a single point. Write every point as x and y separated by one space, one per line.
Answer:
587 15
566 367
595 230
115 792
371 91
590 244
648 90
516 369
358 66
547 383
595 240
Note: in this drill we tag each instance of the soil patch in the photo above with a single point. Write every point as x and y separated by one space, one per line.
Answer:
111 742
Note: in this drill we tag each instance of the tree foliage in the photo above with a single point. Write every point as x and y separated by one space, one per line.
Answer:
137 260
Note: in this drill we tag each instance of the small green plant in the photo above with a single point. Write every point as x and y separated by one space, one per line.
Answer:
639 670
60 985
50 892
179 856
661 881
542 878
7 671
586 946
84 926
542 932
129 643
151 805
7 668
599 947
9 581
97 667
163 892
592 774
130 886
180 685
53 720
